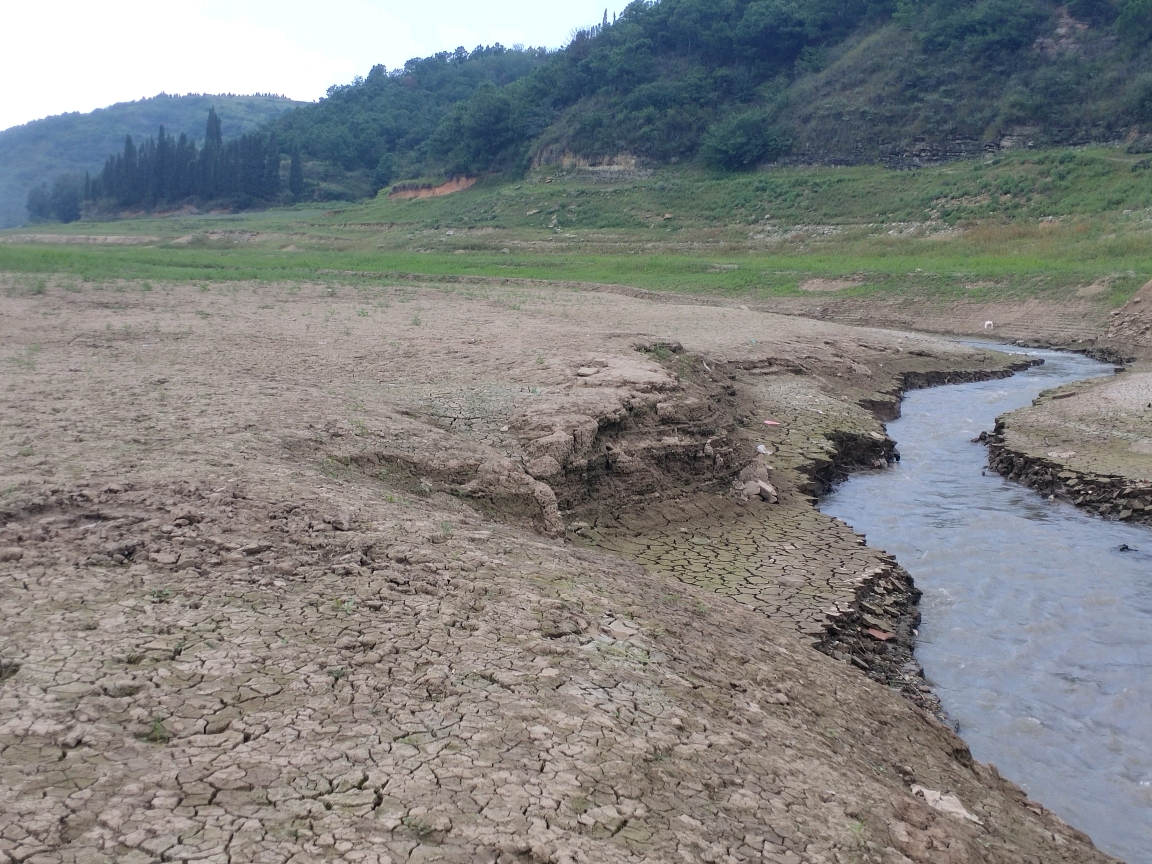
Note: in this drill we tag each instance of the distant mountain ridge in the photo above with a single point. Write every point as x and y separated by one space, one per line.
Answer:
39 151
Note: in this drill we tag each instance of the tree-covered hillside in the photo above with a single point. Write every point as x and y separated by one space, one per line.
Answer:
736 83
40 151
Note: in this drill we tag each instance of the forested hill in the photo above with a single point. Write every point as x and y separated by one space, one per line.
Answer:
40 151
736 83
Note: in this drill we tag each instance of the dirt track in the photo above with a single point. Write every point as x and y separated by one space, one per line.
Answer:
321 575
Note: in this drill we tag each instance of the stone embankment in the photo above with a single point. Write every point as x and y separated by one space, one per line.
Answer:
1121 498
311 573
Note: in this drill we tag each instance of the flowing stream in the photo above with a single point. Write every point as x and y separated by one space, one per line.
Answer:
1037 628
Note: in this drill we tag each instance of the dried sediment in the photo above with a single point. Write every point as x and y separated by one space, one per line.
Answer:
261 603
790 561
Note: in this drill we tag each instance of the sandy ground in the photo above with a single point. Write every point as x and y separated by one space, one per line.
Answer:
311 573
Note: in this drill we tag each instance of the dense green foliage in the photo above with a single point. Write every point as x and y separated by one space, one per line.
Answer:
384 123
737 83
167 171
37 152
61 203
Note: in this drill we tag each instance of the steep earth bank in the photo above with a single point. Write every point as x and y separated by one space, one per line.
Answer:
310 573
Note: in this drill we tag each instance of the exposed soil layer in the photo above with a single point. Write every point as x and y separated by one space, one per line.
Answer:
1089 442
414 191
309 573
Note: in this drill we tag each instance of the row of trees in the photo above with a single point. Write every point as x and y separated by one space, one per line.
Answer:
165 171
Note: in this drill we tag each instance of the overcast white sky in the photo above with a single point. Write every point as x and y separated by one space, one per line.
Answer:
76 55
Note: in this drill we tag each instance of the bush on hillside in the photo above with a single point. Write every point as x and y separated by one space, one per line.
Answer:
742 141
1135 22
987 27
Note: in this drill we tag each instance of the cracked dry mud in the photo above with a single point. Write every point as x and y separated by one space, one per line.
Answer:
317 573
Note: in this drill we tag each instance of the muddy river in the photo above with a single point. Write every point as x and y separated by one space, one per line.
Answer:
1037 628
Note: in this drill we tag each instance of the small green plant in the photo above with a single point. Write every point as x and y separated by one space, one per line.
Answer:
418 825
27 360
337 672
24 451
334 468
158 733
416 320
200 313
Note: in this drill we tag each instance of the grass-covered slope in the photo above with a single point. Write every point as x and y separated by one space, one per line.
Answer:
1051 225
39 151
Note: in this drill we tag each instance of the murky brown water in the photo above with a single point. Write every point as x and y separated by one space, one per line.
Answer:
1037 630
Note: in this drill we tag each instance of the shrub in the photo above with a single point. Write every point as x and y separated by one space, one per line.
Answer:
742 141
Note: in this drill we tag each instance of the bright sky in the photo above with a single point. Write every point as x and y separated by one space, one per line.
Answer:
76 55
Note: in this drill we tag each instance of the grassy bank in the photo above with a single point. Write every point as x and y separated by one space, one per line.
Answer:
1053 224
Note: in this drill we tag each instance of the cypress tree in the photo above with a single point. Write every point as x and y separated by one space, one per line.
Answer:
296 175
129 183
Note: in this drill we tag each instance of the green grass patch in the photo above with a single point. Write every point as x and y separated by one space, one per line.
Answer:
1030 224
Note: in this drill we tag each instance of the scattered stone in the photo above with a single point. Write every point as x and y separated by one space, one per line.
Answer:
949 804
544 468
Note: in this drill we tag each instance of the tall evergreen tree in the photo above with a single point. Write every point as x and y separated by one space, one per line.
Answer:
39 207
129 183
296 175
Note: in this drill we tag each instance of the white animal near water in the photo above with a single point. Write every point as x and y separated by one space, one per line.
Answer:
988 325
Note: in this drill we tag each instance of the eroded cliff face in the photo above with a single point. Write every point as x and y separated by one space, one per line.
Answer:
288 582
1129 333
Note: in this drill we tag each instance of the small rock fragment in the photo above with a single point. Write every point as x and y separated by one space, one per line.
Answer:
767 492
